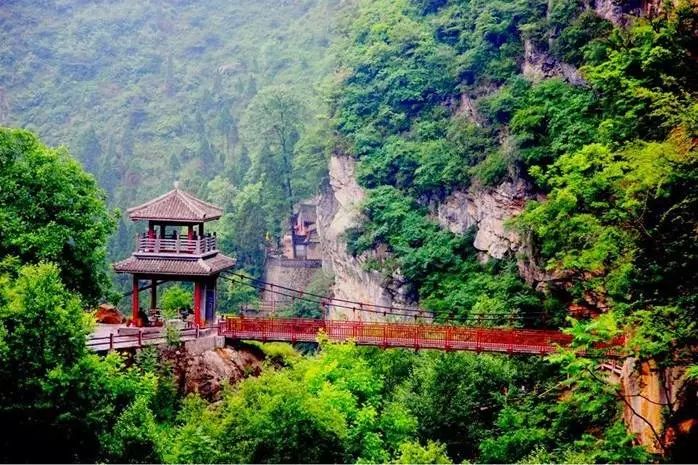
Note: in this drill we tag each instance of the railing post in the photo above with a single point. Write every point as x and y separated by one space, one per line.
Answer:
111 341
140 337
385 335
447 342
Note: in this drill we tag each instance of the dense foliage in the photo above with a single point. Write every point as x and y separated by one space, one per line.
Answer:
51 210
51 387
437 97
431 97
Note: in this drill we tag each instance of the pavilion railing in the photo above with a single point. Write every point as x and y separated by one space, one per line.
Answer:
181 245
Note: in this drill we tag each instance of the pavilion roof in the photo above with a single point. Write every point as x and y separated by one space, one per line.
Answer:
176 205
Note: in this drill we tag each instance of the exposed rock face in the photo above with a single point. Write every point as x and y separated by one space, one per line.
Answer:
539 65
486 210
109 314
651 392
619 12
611 10
467 108
338 211
208 372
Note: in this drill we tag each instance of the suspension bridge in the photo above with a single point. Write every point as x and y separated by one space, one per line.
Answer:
479 333
177 246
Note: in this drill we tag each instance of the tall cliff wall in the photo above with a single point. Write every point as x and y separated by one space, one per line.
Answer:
484 208
338 211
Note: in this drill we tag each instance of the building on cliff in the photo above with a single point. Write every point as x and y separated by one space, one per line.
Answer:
302 241
298 259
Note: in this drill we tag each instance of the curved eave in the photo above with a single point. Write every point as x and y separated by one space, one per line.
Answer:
182 267
175 220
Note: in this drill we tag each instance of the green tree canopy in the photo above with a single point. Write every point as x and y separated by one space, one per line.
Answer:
51 388
52 210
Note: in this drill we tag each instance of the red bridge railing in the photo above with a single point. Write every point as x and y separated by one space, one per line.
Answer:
406 335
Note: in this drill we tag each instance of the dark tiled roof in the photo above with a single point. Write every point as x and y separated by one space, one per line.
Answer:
176 205
175 266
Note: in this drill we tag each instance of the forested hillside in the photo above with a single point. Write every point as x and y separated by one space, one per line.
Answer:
594 109
591 107
148 93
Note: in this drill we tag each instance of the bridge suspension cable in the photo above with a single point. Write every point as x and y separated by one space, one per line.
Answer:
411 312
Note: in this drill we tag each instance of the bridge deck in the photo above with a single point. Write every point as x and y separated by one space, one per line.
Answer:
407 335
380 334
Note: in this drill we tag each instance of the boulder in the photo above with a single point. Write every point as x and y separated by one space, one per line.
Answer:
109 314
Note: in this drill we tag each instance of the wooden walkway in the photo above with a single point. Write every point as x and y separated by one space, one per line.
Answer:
103 343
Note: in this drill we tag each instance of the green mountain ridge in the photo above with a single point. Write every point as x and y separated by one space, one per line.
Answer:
244 102
148 93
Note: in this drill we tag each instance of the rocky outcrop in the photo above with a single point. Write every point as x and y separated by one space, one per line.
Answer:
487 210
539 65
621 12
467 108
651 396
484 209
338 212
206 373
618 12
109 314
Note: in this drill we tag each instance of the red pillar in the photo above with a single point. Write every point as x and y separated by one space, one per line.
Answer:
197 304
134 302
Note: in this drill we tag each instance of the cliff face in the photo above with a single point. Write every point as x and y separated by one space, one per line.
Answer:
621 12
486 210
650 393
338 211
539 65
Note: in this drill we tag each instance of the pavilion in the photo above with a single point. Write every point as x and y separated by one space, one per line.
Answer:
175 247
